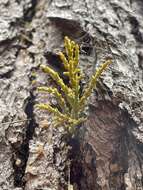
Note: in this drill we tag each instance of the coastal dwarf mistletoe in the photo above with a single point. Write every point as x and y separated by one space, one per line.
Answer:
72 104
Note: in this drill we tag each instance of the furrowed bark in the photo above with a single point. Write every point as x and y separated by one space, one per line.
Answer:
107 153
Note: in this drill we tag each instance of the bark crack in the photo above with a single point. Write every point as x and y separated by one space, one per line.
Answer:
22 151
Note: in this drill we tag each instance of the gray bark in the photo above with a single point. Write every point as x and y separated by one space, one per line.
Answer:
107 153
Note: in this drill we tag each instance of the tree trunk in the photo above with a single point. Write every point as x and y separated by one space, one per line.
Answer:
107 152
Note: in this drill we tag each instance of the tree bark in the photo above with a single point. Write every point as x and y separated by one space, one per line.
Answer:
107 152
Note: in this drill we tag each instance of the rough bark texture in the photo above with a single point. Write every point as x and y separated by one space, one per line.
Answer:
107 153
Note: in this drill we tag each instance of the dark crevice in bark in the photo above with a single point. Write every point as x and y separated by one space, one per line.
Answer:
74 170
140 60
77 170
7 75
83 38
29 14
6 44
22 151
27 17
135 29
66 26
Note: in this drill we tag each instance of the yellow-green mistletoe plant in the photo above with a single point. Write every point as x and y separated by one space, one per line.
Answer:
72 104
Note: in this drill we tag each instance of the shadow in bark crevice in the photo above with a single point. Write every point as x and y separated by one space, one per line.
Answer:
29 13
78 175
21 151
